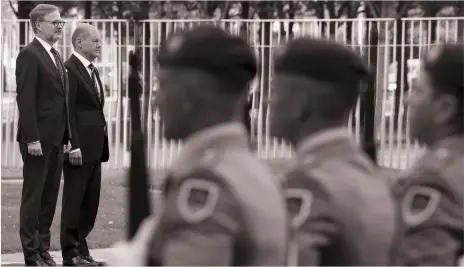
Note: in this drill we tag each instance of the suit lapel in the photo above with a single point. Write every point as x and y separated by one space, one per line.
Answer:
90 85
52 69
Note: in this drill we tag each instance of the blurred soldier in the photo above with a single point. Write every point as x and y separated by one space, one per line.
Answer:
222 205
430 196
341 209
43 128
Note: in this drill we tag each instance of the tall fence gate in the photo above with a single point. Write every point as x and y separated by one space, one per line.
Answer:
394 52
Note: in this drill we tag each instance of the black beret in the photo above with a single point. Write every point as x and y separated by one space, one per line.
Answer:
214 50
322 60
445 65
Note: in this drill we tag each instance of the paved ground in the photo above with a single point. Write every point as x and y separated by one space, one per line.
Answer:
16 259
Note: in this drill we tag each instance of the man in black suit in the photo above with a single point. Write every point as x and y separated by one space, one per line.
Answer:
43 128
89 147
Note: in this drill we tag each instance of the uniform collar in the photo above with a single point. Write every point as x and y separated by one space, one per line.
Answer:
317 140
46 45
207 144
82 59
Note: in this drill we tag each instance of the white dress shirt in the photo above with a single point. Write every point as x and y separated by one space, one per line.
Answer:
47 47
86 64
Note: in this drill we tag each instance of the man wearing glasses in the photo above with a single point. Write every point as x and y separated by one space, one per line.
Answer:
43 128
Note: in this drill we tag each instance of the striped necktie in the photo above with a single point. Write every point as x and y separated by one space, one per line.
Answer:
94 73
59 63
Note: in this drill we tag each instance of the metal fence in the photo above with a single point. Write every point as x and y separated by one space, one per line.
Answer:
400 41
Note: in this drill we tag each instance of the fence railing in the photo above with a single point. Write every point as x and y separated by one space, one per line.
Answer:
396 41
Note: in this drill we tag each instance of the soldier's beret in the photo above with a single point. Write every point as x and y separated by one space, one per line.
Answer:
323 60
445 64
214 50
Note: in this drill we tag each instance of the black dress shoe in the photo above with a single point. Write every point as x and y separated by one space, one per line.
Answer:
37 262
76 261
92 260
47 259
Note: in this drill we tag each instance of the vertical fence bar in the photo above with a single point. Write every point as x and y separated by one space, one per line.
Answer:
396 149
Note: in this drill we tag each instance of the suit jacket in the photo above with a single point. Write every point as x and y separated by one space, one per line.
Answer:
88 124
42 98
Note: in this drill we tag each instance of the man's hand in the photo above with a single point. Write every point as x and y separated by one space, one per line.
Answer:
75 158
134 252
34 149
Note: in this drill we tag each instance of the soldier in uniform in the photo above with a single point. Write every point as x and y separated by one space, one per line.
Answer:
341 209
430 195
222 205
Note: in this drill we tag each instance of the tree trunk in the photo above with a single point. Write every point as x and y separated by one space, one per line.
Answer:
291 16
383 62
368 99
460 26
88 9
245 15
402 55
145 8
24 8
401 74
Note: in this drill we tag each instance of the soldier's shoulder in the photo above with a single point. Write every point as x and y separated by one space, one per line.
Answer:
440 167
302 182
437 176
207 159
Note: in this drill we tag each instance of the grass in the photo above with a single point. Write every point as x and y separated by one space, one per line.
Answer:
108 228
111 221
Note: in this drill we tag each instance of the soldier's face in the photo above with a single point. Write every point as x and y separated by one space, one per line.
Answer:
286 108
171 103
422 108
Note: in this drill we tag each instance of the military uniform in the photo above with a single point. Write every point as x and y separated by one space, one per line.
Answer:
342 211
431 208
222 205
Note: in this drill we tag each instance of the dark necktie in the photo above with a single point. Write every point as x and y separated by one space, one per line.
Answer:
59 63
94 73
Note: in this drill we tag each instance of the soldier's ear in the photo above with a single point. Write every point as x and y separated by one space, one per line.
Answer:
448 107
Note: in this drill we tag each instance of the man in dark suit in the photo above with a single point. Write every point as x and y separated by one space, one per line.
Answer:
43 128
89 147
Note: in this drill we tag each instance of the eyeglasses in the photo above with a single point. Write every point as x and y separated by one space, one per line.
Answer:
56 23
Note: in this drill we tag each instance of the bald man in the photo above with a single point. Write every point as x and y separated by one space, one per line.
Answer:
89 148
